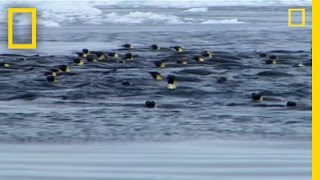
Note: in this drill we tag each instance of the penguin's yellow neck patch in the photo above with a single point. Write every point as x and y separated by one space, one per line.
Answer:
159 77
171 86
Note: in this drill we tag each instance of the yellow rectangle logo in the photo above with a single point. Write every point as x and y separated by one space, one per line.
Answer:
11 12
303 17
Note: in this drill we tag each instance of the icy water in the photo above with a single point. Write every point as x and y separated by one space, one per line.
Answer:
91 104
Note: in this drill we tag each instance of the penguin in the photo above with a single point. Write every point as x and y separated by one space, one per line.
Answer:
150 104
171 82
51 79
155 47
127 46
156 76
178 49
159 64
4 64
78 61
199 58
207 54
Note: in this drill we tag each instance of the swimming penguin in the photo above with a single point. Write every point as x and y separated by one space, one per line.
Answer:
101 56
113 54
85 53
128 56
157 76
199 58
271 61
155 47
150 104
78 61
92 58
182 61
4 64
127 46
171 82
51 78
159 64
257 97
207 54
291 104
178 49
64 68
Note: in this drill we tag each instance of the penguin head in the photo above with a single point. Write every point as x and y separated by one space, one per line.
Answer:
113 54
156 76
291 104
171 82
206 54
101 56
78 61
85 52
150 104
182 61
91 59
51 78
199 58
159 64
178 49
64 68
155 47
127 46
128 56
271 61
257 97
4 64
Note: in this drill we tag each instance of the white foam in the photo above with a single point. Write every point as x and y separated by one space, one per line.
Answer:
196 10
144 17
223 21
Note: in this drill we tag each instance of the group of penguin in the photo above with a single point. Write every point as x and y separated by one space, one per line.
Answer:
87 56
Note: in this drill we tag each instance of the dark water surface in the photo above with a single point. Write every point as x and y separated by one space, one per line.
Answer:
91 104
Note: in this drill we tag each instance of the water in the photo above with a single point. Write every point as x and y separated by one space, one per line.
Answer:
90 104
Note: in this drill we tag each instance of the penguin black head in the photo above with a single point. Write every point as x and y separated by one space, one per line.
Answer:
159 64
263 55
222 80
92 58
85 51
128 56
127 46
199 58
4 64
171 79
101 56
178 48
64 68
51 78
155 47
182 61
257 97
150 104
271 61
207 54
171 82
126 83
78 61
113 54
291 104
156 76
